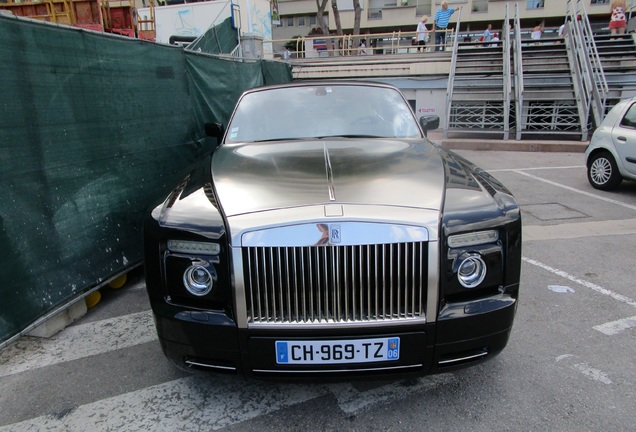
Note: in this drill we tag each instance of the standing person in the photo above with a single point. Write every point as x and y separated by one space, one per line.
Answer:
422 34
487 35
618 21
494 40
536 32
286 53
442 16
563 30
362 49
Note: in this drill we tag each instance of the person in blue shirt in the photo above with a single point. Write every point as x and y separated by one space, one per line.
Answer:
487 35
440 23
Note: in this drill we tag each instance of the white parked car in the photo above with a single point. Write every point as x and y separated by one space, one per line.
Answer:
611 155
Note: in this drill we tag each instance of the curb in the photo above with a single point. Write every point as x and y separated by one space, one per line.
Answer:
520 146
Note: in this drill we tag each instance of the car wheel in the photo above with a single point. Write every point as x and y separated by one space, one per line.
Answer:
602 171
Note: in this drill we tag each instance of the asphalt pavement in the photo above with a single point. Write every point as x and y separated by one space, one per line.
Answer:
569 365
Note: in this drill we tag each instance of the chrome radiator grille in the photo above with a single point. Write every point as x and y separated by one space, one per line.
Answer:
331 284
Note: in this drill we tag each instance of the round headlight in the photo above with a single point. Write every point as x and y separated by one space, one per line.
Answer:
197 280
471 271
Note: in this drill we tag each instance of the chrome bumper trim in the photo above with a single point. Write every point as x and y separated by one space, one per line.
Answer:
209 366
463 359
297 371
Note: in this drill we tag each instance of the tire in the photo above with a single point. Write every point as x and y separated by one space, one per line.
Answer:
602 172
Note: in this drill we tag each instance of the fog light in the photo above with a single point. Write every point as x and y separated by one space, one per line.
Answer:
198 280
471 271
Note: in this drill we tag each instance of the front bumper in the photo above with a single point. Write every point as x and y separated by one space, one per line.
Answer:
466 333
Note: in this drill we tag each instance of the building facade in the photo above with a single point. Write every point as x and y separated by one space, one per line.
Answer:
298 17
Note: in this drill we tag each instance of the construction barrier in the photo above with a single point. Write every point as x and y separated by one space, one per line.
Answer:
95 130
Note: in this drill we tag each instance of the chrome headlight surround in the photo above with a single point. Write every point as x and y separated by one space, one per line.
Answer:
200 275
471 270
198 279
475 262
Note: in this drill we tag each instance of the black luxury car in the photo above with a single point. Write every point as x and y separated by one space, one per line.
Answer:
326 237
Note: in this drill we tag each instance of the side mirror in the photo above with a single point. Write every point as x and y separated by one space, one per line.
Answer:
215 130
430 122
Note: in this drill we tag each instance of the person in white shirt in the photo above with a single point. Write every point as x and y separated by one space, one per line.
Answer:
362 49
618 20
536 33
494 40
422 34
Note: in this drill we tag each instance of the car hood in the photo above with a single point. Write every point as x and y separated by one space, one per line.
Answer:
257 177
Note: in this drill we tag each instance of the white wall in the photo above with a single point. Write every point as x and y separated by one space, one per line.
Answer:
194 19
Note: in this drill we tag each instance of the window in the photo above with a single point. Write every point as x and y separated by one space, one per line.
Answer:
630 118
312 21
480 6
301 21
290 21
535 4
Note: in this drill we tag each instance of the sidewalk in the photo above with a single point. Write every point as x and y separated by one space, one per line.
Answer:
545 146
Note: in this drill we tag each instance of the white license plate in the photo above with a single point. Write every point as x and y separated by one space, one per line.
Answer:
339 351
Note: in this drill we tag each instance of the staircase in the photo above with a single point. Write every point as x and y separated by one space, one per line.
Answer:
478 104
561 87
550 104
618 57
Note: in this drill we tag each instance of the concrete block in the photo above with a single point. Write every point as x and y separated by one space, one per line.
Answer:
59 322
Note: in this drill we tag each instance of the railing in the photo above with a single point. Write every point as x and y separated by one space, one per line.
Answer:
147 24
588 62
507 79
451 75
582 96
396 42
518 63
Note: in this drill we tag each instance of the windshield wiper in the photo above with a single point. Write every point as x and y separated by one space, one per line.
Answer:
350 136
278 139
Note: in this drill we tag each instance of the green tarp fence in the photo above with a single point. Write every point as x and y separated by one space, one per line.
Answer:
94 131
220 39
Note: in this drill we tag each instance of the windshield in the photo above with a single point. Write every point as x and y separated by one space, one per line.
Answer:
322 111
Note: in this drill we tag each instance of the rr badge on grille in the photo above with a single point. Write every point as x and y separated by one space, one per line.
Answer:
334 234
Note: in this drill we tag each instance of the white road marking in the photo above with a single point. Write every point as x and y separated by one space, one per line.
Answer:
571 189
585 369
592 373
561 289
619 297
188 404
353 402
183 404
536 168
77 342
615 327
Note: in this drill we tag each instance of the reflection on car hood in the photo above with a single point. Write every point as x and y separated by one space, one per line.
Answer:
257 177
